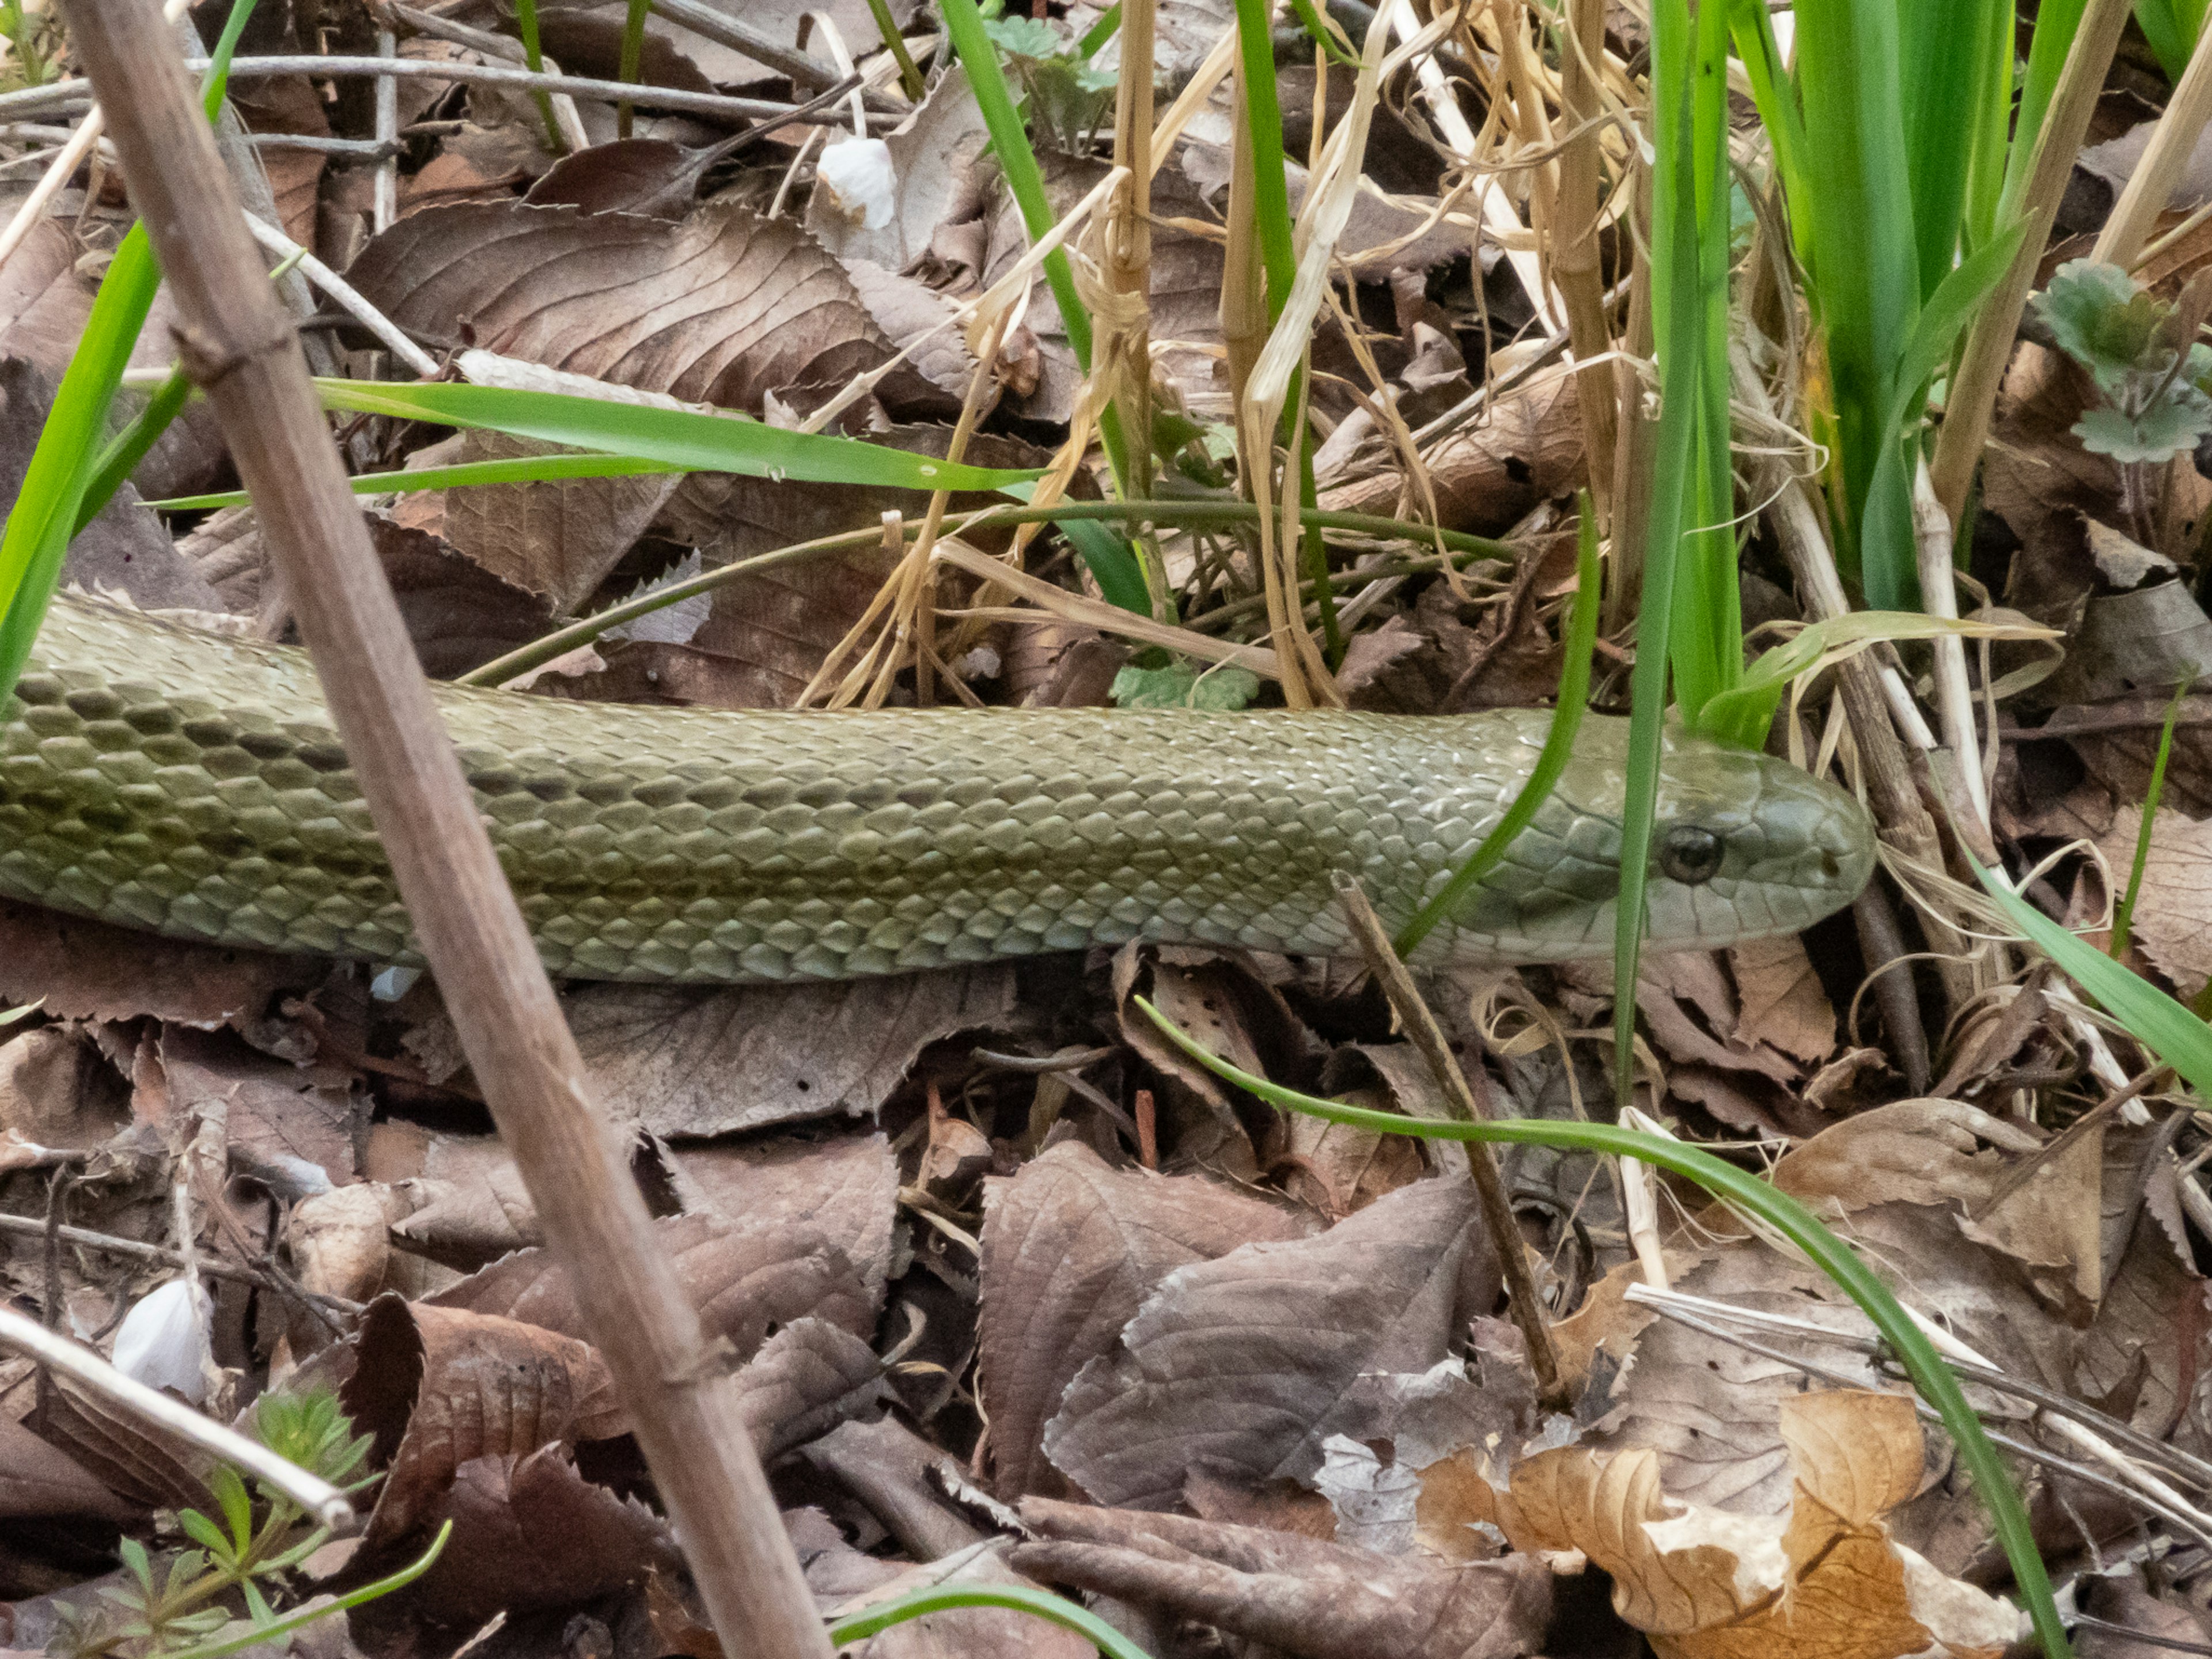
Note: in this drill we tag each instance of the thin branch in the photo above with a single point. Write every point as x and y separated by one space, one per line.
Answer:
493 74
348 297
1420 1024
89 1370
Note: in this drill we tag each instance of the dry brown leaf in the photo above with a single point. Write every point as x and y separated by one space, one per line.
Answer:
557 539
1243 1366
848 1186
38 1480
1301 1596
56 1091
721 308
2173 921
1706 1584
807 1378
745 1280
440 1386
1488 478
1071 1249
681 1060
80 969
529 1532
298 1129
341 1242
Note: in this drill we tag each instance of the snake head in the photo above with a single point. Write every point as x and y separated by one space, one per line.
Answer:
1745 845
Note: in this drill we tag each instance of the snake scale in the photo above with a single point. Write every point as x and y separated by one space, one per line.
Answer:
166 779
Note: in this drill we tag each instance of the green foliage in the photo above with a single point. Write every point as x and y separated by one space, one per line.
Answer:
2152 379
1179 684
2171 27
168 1613
45 515
32 37
1938 1383
1063 94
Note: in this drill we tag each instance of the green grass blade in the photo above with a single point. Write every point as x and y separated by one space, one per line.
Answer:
533 59
1705 644
1942 46
1775 97
1890 567
2056 22
1938 1383
1108 26
2155 1019
120 458
630 69
1109 561
254 1638
942 1598
1865 252
521 469
2124 912
45 515
1674 261
1270 194
887 29
681 437
1009 142
1558 743
2171 27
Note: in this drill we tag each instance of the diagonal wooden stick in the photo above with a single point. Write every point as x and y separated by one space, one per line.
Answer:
239 346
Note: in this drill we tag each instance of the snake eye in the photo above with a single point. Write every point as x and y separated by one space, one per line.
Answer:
1691 856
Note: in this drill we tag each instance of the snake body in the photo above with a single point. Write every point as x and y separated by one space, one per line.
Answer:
189 784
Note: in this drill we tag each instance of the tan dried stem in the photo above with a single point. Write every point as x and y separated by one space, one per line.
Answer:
1575 267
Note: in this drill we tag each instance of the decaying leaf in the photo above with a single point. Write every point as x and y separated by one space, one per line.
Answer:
439 1387
1707 1584
720 309
682 1061
1300 1595
1071 1249
1243 1366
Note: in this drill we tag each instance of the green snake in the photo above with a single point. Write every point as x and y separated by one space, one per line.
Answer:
168 779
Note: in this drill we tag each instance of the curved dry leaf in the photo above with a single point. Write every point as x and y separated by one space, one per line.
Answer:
1706 1584
806 1379
1071 1249
1242 1366
1911 1151
848 1186
932 153
530 1532
440 1386
557 538
2173 921
38 1480
744 1279
720 309
142 1467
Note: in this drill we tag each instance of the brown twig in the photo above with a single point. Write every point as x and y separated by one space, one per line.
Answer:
1420 1025
241 347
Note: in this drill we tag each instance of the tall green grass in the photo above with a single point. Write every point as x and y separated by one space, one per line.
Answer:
66 459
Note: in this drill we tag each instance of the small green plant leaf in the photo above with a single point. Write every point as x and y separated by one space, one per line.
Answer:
1181 685
201 1530
2173 422
135 1558
2101 318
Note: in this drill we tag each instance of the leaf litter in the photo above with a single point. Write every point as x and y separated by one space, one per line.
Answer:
988 1263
